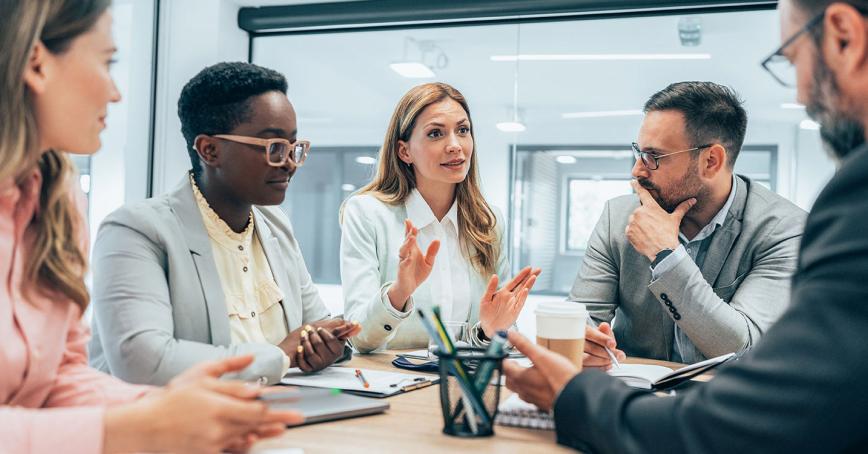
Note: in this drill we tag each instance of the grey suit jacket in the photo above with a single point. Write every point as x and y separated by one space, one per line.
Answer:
741 289
158 302
804 388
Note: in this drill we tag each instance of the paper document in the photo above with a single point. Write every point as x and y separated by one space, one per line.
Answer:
380 383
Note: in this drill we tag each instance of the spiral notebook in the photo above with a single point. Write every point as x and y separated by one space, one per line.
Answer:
515 412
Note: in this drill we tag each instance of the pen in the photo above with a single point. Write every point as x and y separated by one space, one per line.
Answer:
612 357
362 378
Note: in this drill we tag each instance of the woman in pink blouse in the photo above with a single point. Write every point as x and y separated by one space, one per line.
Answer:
54 90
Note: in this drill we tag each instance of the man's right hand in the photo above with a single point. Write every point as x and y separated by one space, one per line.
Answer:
596 339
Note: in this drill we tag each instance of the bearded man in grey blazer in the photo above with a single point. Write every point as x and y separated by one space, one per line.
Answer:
698 262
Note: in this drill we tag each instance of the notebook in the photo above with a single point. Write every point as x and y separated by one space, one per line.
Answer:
649 376
381 383
518 413
320 405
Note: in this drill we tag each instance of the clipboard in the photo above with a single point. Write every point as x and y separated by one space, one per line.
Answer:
380 383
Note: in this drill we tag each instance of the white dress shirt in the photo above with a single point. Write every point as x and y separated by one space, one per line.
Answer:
450 277
372 232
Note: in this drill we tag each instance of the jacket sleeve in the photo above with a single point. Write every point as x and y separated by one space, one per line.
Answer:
802 389
597 282
72 420
133 313
716 326
365 296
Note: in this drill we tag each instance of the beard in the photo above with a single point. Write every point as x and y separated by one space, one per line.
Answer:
689 186
839 131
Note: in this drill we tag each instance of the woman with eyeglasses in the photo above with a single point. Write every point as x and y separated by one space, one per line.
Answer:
212 269
421 234
55 86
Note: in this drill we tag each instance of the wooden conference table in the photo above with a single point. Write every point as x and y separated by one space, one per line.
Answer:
413 424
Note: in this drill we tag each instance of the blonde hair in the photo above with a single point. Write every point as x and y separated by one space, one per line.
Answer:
56 262
395 180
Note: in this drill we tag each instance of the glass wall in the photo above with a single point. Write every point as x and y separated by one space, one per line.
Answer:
118 173
554 106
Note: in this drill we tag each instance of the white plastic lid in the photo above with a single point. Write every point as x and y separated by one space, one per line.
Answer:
562 309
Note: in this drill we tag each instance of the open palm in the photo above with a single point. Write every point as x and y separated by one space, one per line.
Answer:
413 266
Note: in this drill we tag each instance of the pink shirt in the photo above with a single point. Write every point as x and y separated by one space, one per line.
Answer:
50 400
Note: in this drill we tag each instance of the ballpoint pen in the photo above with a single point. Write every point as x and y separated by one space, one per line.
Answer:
362 378
612 357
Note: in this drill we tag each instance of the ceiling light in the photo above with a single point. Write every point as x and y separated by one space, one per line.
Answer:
412 69
603 113
566 159
792 105
511 126
366 160
690 31
599 57
810 125
348 187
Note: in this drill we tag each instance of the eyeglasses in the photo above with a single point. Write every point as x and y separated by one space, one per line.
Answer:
778 65
279 151
652 161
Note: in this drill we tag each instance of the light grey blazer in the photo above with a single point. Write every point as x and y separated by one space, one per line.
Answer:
741 289
158 302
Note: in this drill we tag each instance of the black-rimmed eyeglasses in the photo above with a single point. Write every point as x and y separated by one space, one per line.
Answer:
652 161
778 65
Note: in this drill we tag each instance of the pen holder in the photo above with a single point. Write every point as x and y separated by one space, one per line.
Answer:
454 388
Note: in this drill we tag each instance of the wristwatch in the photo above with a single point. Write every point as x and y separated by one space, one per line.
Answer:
660 256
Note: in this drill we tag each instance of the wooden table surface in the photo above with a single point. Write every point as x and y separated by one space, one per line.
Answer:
413 424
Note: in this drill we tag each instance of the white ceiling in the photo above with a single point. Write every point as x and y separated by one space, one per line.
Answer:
344 91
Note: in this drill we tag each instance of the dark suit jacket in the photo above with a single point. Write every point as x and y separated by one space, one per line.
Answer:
803 388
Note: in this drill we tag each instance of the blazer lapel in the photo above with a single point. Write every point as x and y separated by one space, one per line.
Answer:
276 261
725 236
183 204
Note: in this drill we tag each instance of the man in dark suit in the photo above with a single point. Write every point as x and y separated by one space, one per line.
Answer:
804 387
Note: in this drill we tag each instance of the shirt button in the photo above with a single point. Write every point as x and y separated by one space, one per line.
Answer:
664 296
676 316
245 269
262 380
387 327
252 313
240 247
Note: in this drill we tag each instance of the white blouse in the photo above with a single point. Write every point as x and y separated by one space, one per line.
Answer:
372 232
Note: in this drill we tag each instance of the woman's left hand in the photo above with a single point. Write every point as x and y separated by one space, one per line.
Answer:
499 309
320 347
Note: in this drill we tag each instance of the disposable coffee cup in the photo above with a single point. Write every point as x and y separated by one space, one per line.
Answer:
560 327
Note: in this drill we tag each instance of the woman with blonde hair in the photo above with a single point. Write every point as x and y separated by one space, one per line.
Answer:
426 196
55 86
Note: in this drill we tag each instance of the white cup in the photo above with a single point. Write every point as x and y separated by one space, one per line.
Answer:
560 327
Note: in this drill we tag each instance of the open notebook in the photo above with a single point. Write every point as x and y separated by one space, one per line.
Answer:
648 376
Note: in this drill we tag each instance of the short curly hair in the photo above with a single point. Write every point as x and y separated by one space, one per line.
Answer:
217 100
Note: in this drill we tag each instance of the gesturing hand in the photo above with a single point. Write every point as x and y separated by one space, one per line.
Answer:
650 228
499 309
413 266
540 384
